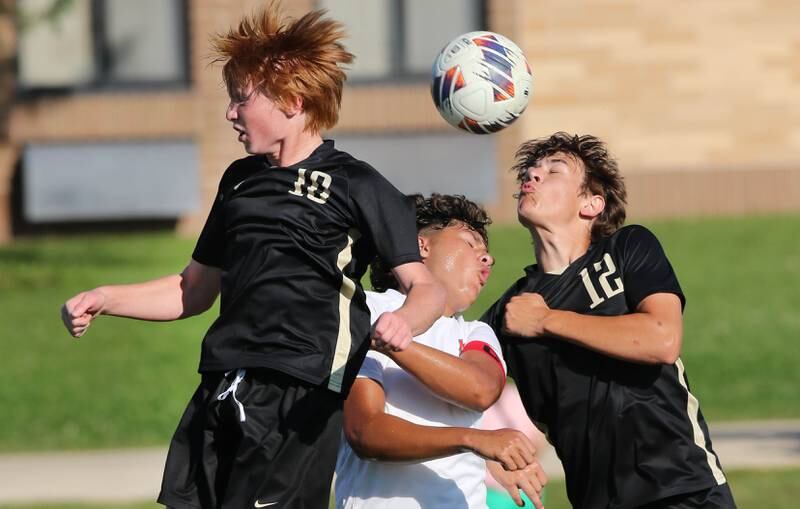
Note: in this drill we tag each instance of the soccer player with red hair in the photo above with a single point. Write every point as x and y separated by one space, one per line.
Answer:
289 236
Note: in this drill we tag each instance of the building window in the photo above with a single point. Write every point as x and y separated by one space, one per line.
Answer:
93 44
399 39
431 162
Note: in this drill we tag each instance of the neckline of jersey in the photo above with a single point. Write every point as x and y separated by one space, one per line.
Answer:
317 155
533 269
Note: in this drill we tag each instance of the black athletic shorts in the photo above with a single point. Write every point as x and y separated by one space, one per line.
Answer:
262 439
718 497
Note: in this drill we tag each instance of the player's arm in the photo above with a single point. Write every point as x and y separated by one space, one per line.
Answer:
530 480
424 304
474 380
167 298
374 434
652 334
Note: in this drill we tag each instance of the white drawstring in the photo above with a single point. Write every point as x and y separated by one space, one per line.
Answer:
232 391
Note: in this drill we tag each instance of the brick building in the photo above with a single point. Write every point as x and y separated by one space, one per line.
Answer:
700 101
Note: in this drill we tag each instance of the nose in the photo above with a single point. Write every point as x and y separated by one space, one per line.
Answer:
230 112
487 259
531 177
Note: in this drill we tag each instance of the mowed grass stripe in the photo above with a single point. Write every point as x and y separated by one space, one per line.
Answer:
126 382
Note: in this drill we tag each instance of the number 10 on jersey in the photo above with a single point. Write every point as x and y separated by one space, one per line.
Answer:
318 189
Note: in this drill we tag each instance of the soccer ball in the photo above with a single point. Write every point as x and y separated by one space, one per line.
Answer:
481 82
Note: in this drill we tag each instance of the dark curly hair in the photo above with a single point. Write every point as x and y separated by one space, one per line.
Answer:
601 176
437 213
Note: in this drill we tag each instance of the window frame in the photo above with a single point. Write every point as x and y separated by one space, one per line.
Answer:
397 47
101 58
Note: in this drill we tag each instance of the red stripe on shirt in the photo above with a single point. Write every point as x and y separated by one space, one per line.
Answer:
488 350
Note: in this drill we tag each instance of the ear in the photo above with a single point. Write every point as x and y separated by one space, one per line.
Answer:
424 246
294 107
593 206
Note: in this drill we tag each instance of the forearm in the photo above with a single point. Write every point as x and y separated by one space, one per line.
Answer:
390 438
636 337
161 299
454 379
424 304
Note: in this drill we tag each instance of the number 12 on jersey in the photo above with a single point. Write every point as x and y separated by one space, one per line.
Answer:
609 289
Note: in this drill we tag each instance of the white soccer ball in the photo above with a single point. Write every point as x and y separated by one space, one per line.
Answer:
481 82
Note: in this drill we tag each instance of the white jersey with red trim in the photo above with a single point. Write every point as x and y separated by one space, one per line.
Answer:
452 481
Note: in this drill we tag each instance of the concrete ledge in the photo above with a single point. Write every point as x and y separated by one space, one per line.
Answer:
129 475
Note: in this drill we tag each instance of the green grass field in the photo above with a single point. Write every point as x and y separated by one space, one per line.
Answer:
125 383
741 278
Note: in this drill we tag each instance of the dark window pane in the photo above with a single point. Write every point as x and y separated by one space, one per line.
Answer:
145 42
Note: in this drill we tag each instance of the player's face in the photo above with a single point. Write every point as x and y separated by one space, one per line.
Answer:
458 258
551 194
259 121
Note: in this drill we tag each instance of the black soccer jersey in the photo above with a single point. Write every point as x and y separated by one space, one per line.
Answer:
293 244
626 433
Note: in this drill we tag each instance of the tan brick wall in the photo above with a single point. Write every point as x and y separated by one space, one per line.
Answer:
713 192
694 98
104 117
700 101
8 158
670 84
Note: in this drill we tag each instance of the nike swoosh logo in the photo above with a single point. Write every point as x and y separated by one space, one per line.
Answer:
235 188
259 504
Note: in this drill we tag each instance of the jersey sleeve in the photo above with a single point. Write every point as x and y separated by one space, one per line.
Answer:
210 245
379 303
482 333
646 268
373 366
376 306
386 215
375 362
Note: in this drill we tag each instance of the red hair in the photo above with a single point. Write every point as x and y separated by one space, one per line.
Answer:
287 59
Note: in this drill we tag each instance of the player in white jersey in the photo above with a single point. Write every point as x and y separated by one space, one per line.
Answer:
411 422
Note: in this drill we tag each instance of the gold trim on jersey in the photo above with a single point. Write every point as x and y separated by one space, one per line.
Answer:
692 409
344 339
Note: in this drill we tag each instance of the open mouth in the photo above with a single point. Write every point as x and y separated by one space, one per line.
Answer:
484 276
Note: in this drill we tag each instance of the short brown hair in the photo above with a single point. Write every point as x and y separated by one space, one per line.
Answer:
287 59
601 174
436 213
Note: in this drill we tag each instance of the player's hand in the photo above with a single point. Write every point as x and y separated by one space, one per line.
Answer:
530 480
391 332
525 315
512 448
78 312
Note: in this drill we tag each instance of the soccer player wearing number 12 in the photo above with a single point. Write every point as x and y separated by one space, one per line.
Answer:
290 234
592 336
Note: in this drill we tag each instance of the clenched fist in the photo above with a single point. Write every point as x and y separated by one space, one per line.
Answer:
79 311
509 447
391 332
525 315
